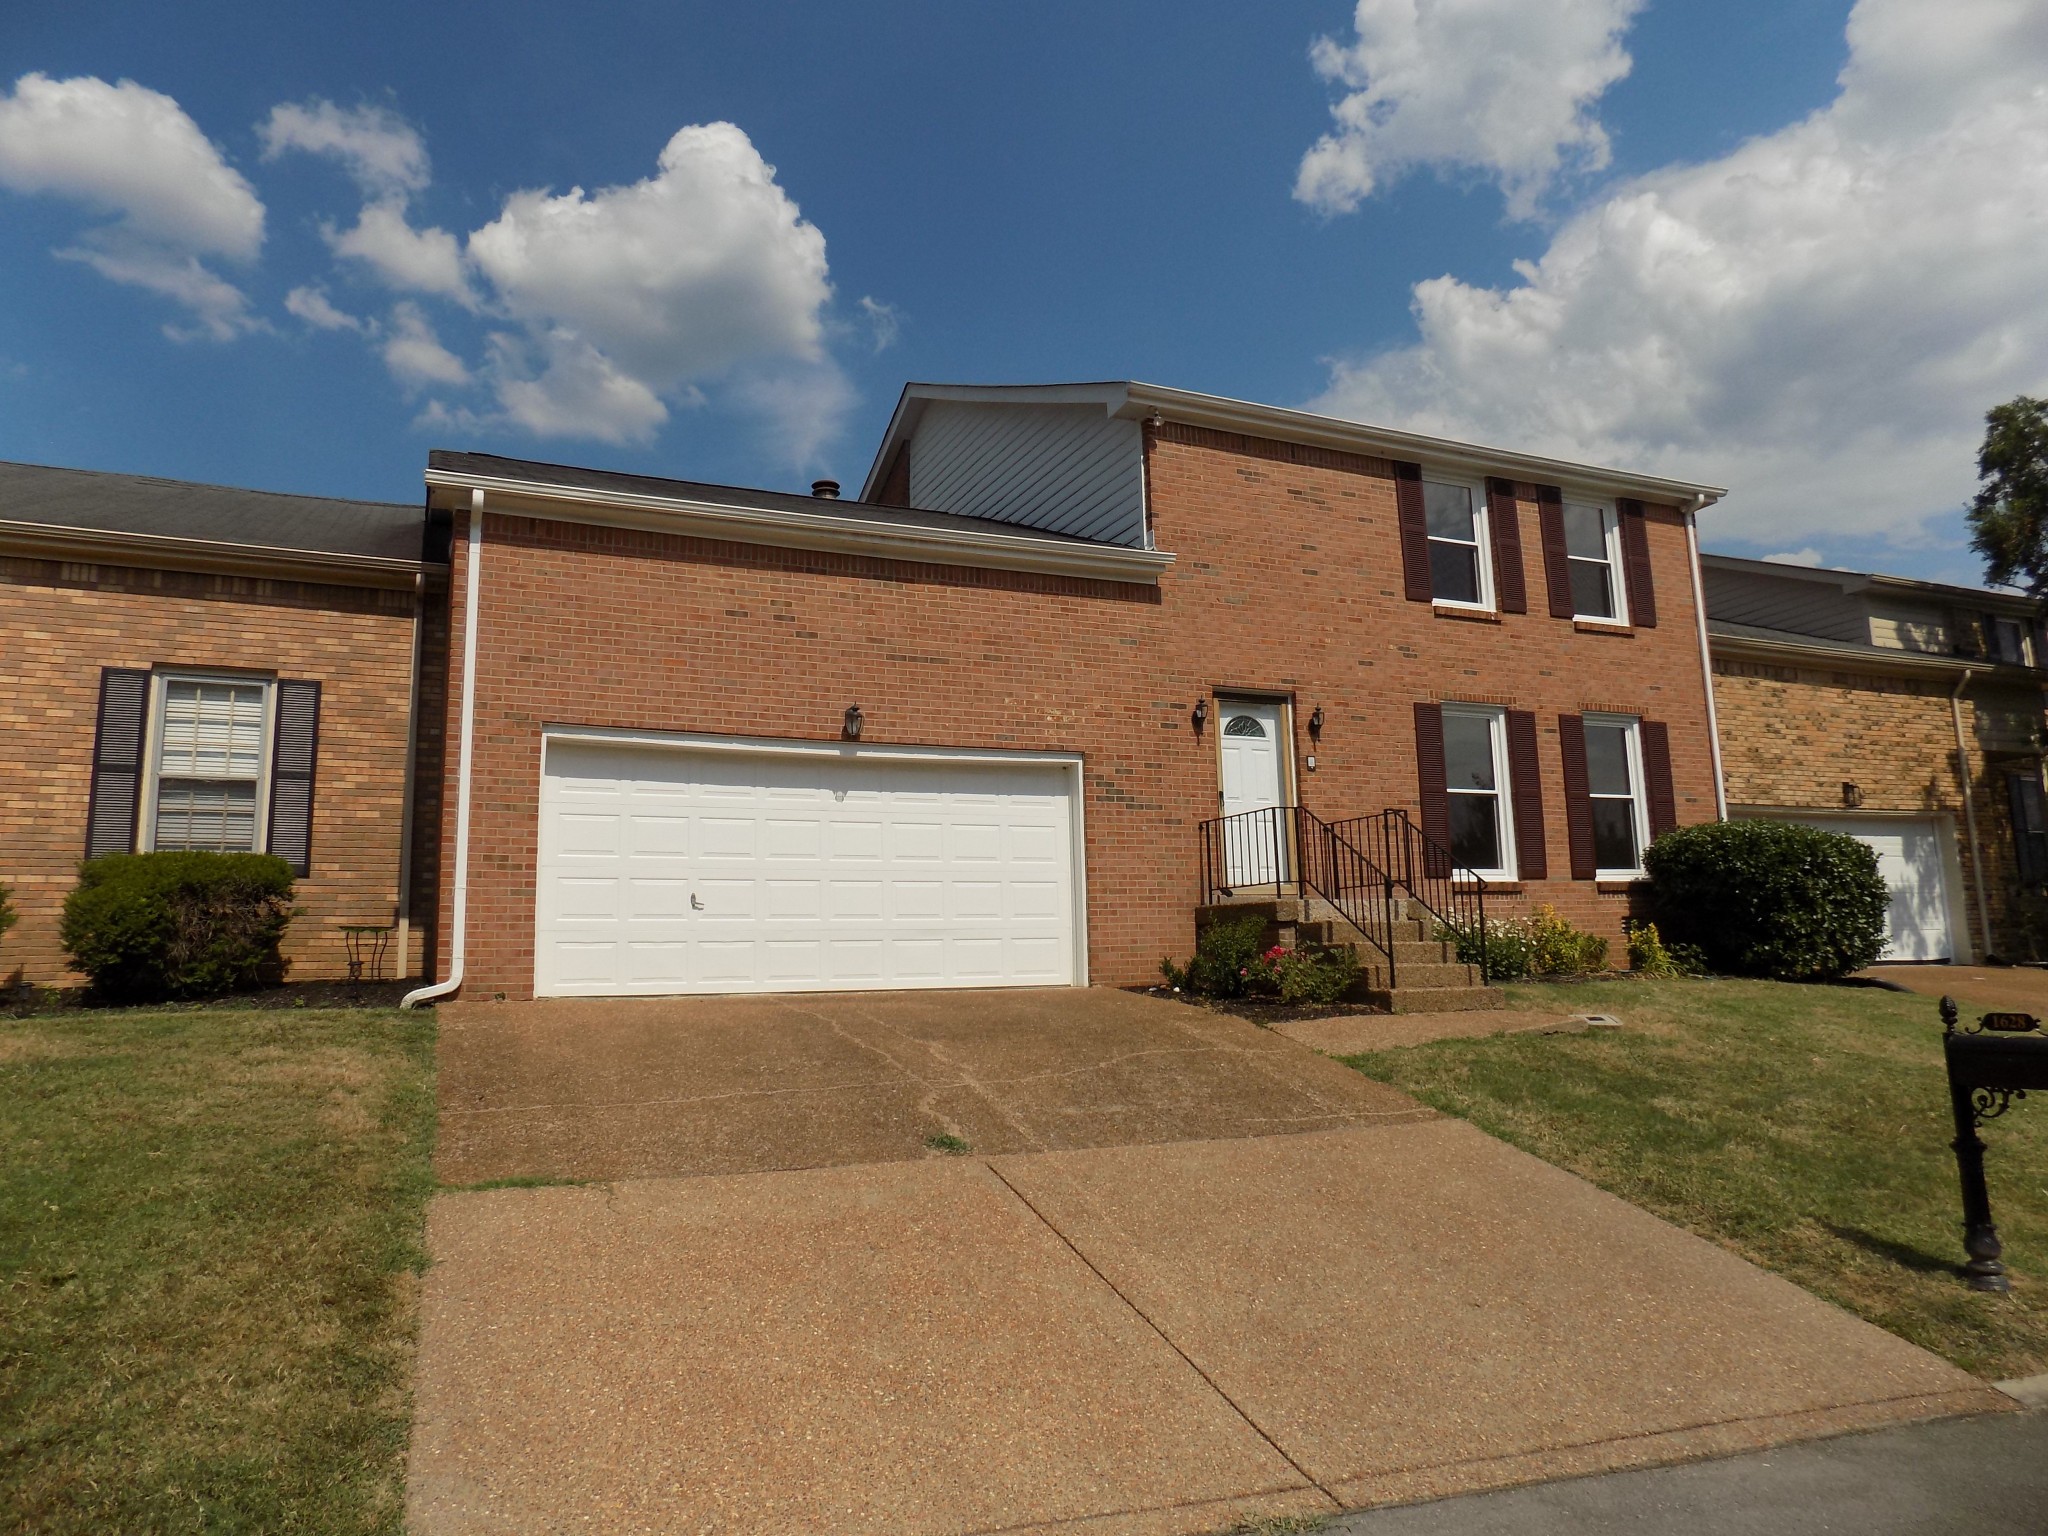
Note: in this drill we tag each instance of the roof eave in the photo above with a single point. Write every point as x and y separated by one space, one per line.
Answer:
789 529
155 551
1871 658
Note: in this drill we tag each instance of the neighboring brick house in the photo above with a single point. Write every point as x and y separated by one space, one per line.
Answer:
196 666
1905 713
964 730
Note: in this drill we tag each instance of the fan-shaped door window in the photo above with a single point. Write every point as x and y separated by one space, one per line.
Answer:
1244 725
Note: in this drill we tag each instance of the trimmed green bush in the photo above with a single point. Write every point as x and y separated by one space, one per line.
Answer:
154 927
1769 898
8 916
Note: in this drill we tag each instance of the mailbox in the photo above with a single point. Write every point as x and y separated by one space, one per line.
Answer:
1991 1063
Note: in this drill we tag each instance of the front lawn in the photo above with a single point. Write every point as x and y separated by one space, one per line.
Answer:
210 1237
1806 1128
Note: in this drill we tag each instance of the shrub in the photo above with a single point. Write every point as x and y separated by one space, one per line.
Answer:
150 927
1541 944
8 916
1229 962
1769 898
1649 955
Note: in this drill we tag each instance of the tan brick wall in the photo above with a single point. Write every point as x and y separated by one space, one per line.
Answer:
1288 582
63 622
1792 735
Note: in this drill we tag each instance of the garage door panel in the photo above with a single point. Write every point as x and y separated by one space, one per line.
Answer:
1913 866
807 872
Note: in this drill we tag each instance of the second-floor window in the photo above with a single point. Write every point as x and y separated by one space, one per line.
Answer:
1592 541
2009 642
1458 568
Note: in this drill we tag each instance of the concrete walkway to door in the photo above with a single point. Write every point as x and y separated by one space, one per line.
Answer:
1177 1321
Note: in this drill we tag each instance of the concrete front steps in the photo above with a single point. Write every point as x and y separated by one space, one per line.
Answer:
1428 976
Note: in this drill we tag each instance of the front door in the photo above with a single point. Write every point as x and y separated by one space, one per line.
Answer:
1254 779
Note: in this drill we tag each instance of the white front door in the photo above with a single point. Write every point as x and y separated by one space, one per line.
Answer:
1254 779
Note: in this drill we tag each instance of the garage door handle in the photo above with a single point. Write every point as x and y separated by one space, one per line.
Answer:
696 902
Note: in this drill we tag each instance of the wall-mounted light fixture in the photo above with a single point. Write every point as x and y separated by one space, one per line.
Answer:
854 721
1201 715
1852 794
1315 724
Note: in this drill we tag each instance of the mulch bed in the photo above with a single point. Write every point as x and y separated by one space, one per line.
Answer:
24 1002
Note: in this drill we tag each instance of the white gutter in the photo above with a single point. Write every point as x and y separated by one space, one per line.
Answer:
456 948
1955 709
1699 608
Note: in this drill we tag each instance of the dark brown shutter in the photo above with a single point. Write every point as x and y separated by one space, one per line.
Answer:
1414 531
292 756
117 762
1532 859
1657 777
1578 797
1635 555
2029 835
1429 773
1550 516
1504 518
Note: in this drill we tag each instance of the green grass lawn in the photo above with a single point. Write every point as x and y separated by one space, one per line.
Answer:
1806 1128
210 1243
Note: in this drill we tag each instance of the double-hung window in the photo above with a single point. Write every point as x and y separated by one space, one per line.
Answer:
1614 780
2009 642
1459 571
1592 542
1476 782
208 764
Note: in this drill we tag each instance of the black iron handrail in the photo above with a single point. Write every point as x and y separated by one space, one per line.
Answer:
1285 845
1422 866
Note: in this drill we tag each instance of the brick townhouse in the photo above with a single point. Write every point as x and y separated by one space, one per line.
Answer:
966 728
1904 713
191 666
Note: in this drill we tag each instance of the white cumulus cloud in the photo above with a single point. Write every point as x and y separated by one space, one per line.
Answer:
130 152
380 150
633 295
414 353
311 304
1818 319
1501 88
414 260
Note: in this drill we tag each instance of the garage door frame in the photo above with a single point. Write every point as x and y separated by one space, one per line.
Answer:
1071 763
1961 939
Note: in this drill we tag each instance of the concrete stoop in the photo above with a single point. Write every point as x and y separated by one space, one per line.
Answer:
1428 977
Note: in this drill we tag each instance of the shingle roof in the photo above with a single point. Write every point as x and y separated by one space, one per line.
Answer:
182 509
491 465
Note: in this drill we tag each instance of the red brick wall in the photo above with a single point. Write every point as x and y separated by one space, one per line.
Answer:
65 621
1288 582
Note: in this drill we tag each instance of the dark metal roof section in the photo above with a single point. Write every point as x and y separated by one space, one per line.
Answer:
534 472
220 514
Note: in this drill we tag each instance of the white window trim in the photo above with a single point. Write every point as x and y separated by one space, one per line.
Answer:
1503 790
1482 528
1632 728
152 751
1610 529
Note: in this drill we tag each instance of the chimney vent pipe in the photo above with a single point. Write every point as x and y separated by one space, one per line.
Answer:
825 490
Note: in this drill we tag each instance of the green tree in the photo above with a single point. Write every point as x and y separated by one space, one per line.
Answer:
2009 520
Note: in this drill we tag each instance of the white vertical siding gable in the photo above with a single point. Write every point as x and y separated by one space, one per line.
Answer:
1069 469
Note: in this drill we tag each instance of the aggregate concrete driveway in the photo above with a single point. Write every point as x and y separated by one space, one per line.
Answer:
1191 1274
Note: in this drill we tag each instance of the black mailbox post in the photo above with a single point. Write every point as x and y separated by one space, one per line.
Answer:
1992 1063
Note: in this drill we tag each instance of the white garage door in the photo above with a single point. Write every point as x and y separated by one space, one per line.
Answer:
1909 856
667 870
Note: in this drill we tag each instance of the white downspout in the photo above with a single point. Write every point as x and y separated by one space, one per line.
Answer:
460 923
1955 709
1699 608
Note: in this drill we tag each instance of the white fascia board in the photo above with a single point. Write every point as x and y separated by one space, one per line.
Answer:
877 539
1224 414
157 551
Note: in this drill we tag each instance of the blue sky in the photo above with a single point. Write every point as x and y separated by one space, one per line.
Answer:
1733 266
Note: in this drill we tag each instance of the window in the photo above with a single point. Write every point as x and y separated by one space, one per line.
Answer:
1458 569
1476 779
1592 544
2029 828
2009 642
211 742
1614 779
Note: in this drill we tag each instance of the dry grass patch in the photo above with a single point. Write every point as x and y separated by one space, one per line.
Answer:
1806 1128
210 1232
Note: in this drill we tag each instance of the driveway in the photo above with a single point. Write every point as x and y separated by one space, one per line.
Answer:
1186 1278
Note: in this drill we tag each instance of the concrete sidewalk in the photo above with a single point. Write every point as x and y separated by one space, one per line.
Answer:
1153 1338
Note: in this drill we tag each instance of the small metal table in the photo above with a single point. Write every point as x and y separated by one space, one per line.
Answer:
366 944
1991 1063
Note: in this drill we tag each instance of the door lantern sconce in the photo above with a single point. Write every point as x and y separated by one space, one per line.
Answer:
1315 724
1852 794
854 721
1201 715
